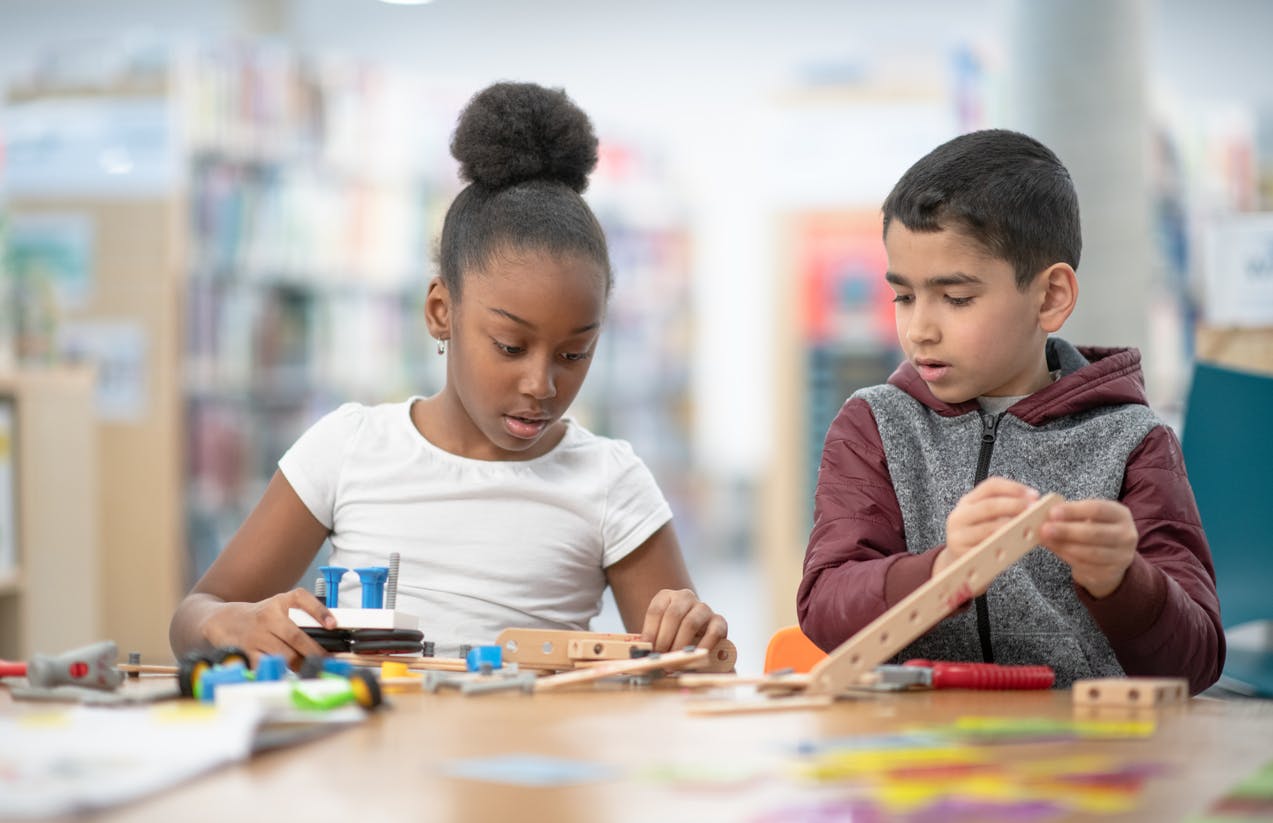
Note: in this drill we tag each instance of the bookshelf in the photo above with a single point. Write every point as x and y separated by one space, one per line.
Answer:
836 335
49 564
257 254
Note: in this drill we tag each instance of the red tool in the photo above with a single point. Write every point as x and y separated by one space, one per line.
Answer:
943 675
92 666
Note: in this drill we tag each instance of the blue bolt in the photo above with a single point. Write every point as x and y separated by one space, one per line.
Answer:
270 667
373 586
332 575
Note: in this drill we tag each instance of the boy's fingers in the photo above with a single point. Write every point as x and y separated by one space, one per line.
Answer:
1104 511
1088 533
1002 487
994 510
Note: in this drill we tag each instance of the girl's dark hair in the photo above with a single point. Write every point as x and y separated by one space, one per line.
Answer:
1005 190
526 152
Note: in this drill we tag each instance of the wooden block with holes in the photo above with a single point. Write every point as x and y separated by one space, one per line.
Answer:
1130 692
605 649
552 647
562 649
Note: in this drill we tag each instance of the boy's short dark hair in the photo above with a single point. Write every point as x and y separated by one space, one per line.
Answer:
1005 190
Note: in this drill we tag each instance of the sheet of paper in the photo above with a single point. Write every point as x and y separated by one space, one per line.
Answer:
59 761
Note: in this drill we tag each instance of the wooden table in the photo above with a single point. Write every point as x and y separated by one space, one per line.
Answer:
394 766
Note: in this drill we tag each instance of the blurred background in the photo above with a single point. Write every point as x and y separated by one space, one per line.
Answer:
218 220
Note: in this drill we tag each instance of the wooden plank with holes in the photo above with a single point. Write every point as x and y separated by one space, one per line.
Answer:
722 659
550 648
578 649
930 603
1130 692
620 668
553 649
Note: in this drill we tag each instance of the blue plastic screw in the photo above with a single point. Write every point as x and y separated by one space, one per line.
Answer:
373 586
332 575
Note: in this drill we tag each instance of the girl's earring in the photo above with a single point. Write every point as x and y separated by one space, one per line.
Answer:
441 347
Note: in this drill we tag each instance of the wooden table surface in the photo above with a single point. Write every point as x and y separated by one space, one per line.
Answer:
394 767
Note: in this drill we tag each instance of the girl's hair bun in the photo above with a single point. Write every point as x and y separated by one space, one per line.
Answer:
512 132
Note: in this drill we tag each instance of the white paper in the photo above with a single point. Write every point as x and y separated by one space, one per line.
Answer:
59 761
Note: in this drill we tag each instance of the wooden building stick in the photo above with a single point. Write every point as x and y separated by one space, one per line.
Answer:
930 603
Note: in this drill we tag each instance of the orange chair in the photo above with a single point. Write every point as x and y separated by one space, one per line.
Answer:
790 649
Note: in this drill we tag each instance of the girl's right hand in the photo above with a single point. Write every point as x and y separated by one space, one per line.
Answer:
265 628
676 618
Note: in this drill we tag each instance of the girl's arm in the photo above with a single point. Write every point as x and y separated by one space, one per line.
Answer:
655 597
242 600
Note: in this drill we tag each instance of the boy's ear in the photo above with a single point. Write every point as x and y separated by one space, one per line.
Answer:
1059 294
437 309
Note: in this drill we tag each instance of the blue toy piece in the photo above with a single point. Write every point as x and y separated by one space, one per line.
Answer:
206 687
332 575
340 668
373 586
271 667
484 658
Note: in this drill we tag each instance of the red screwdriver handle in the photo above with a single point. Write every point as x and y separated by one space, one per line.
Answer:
9 668
988 676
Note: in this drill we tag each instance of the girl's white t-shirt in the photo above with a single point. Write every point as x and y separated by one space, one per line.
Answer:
484 545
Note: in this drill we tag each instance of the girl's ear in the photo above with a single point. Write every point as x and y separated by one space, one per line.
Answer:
1058 296
437 310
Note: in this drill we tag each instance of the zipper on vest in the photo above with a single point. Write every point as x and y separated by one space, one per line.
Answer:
989 428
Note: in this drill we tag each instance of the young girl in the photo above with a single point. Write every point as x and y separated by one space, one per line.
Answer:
505 512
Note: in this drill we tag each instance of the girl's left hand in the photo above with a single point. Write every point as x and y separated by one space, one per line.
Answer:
676 618
1097 538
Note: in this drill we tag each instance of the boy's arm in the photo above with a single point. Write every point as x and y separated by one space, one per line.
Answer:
1164 618
856 565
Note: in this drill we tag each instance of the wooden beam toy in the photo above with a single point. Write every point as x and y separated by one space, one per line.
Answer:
671 661
1130 692
934 600
852 664
559 649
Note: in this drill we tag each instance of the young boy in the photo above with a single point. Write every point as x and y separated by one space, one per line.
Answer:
986 412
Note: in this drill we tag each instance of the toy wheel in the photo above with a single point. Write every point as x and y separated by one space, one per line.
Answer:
383 635
190 670
366 688
229 655
333 640
384 646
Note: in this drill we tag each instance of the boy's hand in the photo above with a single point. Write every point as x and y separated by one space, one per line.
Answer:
992 502
1097 538
676 618
264 627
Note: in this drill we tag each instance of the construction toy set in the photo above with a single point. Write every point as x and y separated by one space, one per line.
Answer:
376 646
